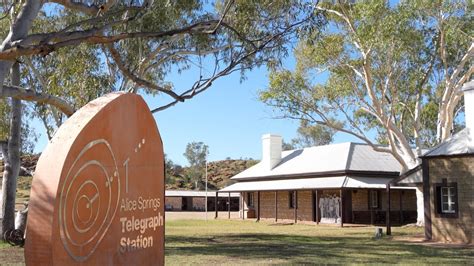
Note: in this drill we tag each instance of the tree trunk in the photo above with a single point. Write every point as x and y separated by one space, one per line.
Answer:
6 169
19 29
11 159
420 205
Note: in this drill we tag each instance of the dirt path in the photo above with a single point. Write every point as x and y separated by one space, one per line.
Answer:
11 256
419 239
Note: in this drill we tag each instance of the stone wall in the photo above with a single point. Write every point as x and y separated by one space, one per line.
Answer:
175 203
461 171
360 210
199 203
267 205
360 200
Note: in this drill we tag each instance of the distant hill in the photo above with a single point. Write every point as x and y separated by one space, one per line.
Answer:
218 174
28 165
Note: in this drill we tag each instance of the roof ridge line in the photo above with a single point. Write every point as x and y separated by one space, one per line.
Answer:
349 156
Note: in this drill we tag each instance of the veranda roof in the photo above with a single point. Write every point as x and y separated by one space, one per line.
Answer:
335 182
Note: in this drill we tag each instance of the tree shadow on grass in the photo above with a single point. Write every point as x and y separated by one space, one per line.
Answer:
308 249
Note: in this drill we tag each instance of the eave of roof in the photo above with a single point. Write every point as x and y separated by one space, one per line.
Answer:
337 182
412 176
322 174
195 193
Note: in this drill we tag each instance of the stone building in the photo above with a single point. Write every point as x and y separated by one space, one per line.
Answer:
447 175
338 183
191 200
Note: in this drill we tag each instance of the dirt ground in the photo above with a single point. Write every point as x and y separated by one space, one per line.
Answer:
11 255
419 239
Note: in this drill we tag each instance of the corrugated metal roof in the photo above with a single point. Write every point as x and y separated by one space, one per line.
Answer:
194 193
460 143
366 182
335 182
364 158
411 177
326 158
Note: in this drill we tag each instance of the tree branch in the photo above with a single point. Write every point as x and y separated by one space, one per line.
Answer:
30 95
118 61
92 36
74 5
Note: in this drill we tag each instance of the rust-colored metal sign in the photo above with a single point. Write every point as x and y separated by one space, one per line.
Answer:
97 196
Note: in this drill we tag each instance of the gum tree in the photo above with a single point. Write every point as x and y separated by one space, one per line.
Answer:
73 51
196 153
394 75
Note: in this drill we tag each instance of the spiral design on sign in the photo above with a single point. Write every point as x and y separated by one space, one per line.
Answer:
90 196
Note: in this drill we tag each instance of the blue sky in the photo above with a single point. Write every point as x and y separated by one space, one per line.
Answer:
228 117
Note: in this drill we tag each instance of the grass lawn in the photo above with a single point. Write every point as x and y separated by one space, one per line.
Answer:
247 242
190 242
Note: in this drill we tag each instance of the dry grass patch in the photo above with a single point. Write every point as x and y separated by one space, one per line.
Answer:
199 242
247 242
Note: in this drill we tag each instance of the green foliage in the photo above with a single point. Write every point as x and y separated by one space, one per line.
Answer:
287 146
4 120
196 153
28 136
313 135
84 72
172 171
376 66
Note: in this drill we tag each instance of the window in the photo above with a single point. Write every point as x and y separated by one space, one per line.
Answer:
374 199
292 199
250 199
446 199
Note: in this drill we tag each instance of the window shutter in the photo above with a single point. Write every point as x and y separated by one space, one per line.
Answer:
456 198
290 199
438 201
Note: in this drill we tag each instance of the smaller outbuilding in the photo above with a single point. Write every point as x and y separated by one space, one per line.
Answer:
447 175
191 200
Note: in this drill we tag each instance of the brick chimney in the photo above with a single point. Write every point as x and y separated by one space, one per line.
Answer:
468 89
271 148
